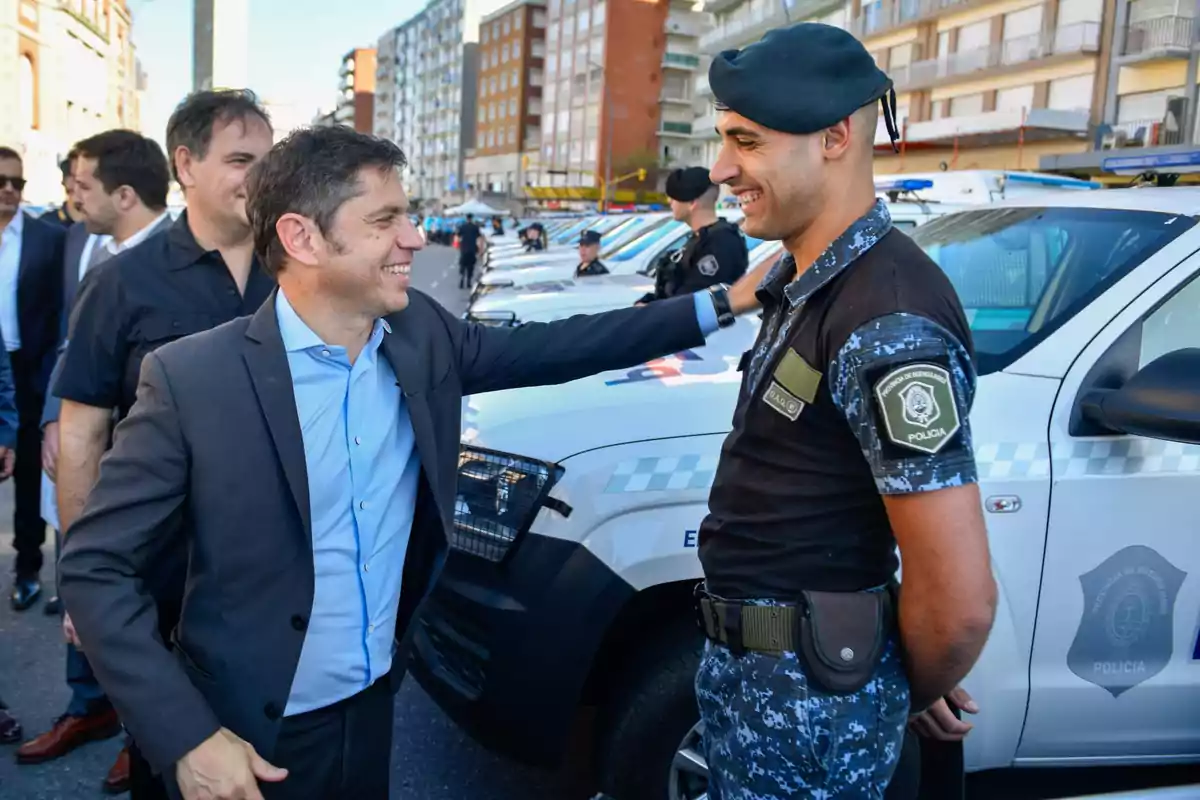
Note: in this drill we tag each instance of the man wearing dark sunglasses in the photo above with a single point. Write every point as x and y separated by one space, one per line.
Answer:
31 288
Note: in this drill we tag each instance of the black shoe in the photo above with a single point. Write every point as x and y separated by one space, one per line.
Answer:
10 729
25 593
53 606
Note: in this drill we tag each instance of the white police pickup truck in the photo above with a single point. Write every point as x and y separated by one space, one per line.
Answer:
567 596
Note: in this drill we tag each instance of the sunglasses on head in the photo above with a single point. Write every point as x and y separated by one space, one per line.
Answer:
16 183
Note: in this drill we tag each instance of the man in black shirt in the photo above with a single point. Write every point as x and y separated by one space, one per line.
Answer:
715 252
198 274
470 243
851 436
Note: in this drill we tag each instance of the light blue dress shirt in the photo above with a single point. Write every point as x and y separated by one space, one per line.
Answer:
357 438
362 485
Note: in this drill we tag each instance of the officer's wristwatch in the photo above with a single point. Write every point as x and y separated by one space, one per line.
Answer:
720 298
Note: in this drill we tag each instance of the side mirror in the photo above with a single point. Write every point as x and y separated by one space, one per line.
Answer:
1160 401
495 319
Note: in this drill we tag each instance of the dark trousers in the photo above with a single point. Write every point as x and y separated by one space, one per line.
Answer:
466 271
341 751
86 695
143 783
29 529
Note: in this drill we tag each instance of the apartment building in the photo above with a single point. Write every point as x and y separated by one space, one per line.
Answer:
69 71
431 81
356 90
618 94
512 52
1149 118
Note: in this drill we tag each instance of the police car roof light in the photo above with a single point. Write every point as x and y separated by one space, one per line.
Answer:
1051 180
904 185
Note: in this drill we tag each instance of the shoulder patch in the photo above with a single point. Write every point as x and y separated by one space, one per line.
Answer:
918 406
708 266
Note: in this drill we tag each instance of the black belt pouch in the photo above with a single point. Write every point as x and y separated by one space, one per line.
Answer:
842 636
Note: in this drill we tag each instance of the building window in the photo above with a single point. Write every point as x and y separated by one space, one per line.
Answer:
516 49
966 105
1018 99
517 19
504 54
504 81
581 21
27 88
598 14
483 35
512 134
507 26
1071 94
512 106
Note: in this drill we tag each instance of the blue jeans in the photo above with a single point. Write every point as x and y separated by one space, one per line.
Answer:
86 695
769 733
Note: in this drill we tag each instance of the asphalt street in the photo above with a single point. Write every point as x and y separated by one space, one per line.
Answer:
432 759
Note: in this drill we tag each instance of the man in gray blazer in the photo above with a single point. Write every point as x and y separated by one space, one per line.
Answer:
309 455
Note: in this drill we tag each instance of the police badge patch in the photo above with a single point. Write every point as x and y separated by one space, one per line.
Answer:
1125 636
708 266
917 404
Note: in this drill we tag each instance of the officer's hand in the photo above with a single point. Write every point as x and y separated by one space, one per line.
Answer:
938 721
50 449
8 462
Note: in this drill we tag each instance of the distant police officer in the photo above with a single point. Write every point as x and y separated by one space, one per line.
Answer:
589 255
850 437
716 250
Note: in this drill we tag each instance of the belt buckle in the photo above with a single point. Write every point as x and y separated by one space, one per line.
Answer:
700 593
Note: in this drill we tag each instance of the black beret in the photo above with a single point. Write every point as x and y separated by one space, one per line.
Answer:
799 79
589 237
688 183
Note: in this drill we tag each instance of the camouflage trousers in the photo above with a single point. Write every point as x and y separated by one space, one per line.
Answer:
769 734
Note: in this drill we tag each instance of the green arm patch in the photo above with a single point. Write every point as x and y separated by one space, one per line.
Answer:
918 406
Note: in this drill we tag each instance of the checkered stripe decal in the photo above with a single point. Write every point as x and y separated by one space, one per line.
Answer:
661 474
996 461
1125 457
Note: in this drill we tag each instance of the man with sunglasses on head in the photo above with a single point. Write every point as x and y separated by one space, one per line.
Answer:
31 254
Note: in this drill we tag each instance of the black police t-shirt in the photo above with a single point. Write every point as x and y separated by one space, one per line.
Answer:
468 238
797 501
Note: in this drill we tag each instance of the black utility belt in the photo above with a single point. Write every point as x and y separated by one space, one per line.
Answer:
838 636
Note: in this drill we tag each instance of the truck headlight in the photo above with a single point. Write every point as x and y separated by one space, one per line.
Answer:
499 494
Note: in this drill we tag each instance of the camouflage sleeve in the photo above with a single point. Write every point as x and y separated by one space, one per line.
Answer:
906 385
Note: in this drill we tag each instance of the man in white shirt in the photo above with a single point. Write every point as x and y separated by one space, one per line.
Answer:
31 257
121 180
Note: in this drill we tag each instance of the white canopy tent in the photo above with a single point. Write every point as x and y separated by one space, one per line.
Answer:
476 207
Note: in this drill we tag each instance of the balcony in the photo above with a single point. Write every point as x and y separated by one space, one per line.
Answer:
680 61
718 6
683 129
884 16
742 28
684 23
701 87
1142 133
705 127
996 127
1158 38
1069 40
674 97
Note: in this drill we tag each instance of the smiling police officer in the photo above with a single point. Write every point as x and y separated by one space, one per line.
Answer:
850 437
715 251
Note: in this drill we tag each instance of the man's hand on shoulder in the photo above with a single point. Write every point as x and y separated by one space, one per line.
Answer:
224 767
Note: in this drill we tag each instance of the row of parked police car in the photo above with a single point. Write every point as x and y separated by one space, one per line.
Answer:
567 599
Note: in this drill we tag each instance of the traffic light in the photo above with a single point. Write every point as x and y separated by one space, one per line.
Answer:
641 173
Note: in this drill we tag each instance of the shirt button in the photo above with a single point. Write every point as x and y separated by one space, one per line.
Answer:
370 629
324 352
358 440
367 567
362 503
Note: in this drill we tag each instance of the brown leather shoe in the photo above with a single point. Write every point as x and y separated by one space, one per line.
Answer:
67 734
117 781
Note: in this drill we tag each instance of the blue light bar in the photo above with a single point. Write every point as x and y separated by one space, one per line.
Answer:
905 185
1051 180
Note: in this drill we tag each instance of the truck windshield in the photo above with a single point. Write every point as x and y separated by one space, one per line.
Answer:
1023 272
629 249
